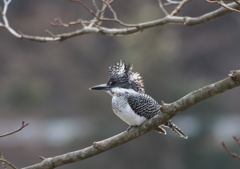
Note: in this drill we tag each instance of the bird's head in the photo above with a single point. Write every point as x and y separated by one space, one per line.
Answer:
121 76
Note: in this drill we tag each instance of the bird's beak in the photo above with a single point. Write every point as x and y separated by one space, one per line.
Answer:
100 87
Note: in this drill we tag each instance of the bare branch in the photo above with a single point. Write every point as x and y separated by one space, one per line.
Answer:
111 1
99 13
168 111
5 20
102 18
228 151
23 125
95 5
85 6
42 158
94 26
163 9
79 21
237 140
50 33
210 16
4 162
111 9
60 23
7 162
179 7
220 2
172 2
237 2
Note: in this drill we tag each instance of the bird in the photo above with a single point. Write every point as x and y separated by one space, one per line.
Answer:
129 101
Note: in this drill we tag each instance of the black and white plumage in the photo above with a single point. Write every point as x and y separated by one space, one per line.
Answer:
129 101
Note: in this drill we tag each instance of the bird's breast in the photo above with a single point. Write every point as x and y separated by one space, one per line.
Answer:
123 110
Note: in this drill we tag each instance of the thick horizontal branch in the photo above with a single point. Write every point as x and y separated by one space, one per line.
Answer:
168 111
202 94
212 15
128 29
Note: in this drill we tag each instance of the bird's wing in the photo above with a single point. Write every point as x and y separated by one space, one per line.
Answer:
143 105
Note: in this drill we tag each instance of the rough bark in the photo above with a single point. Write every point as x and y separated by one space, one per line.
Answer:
94 26
168 111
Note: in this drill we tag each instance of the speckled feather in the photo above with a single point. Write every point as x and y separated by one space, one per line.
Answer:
146 106
143 105
129 101
124 75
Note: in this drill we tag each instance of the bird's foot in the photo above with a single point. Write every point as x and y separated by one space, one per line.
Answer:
130 128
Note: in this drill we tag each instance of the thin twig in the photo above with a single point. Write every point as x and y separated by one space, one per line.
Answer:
60 23
100 14
95 5
111 9
3 163
5 23
23 125
163 9
179 7
111 1
7 162
42 158
229 152
221 3
236 2
115 15
236 139
79 21
1 11
50 33
102 11
85 6
96 19
100 19
172 2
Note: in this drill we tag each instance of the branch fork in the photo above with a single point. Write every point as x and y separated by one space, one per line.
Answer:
229 152
94 25
224 5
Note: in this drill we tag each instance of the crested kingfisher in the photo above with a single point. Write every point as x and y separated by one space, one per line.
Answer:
129 101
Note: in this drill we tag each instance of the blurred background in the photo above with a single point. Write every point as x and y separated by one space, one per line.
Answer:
46 85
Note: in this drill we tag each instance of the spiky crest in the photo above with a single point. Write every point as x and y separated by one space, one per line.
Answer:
124 74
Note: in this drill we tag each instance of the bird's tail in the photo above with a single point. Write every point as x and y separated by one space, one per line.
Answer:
173 127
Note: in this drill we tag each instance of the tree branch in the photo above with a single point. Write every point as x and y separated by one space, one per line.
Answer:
179 7
7 134
221 3
168 111
94 25
163 9
228 151
4 162
237 140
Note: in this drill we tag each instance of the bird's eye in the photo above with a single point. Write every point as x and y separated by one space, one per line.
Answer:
113 83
